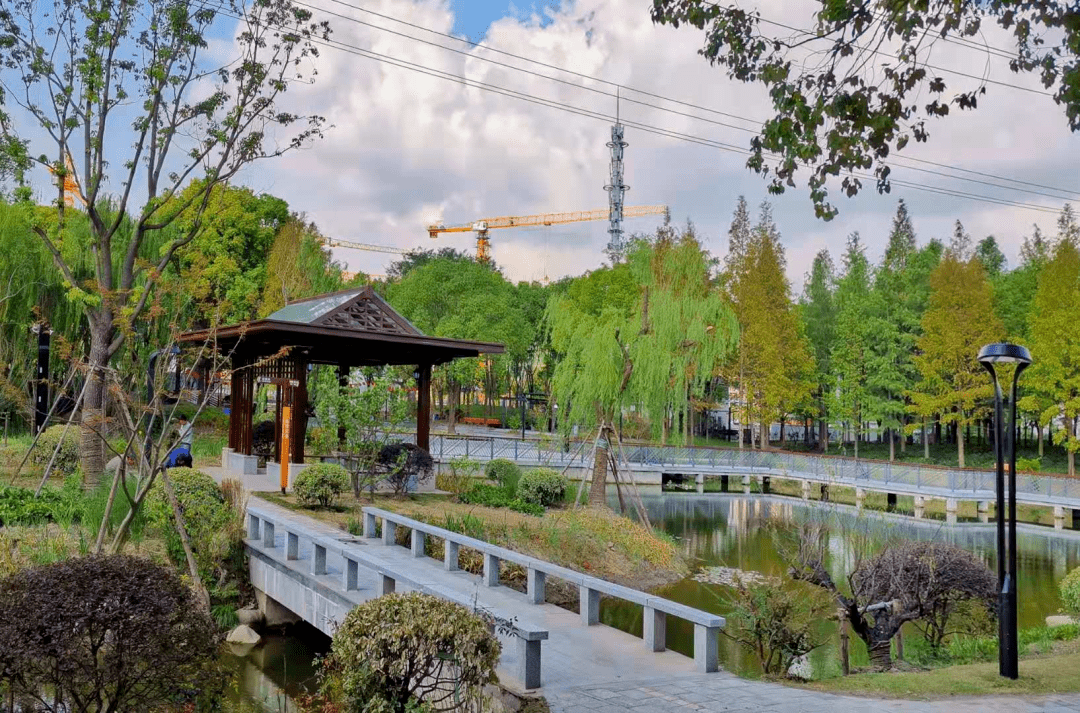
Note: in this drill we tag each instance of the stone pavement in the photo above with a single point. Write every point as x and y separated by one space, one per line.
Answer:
726 692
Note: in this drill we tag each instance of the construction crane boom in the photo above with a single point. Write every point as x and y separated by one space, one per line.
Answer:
335 243
481 227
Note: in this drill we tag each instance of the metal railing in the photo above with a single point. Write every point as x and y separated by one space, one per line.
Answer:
963 482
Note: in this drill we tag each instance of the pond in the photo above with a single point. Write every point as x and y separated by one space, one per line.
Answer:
746 532
739 531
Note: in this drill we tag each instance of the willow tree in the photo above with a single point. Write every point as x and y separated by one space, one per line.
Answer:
126 103
655 344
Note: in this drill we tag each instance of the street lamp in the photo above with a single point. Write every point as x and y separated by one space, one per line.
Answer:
990 355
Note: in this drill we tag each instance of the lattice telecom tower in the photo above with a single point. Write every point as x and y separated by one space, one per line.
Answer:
617 190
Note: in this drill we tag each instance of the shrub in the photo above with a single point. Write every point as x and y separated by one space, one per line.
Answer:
504 472
67 458
542 486
495 497
459 479
1070 591
18 506
321 484
777 623
211 524
406 464
399 649
119 631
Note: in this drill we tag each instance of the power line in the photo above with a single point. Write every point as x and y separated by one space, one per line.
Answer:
588 113
1074 194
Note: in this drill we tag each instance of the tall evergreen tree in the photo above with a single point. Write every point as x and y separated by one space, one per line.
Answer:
851 356
774 365
991 257
1054 378
959 320
898 301
818 309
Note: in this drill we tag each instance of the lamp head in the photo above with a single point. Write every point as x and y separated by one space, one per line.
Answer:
1004 353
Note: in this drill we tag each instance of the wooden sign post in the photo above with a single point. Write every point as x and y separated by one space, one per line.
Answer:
285 388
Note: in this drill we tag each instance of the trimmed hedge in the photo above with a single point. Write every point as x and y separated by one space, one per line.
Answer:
321 484
542 486
67 459
504 472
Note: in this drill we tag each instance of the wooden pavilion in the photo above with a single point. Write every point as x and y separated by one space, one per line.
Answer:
350 328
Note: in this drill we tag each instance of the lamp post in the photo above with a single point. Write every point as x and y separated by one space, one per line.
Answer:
1005 446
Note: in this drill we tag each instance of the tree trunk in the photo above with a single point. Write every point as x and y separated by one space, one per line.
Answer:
1068 444
598 489
925 440
783 434
823 431
857 431
763 437
452 398
93 413
892 445
903 435
960 441
880 654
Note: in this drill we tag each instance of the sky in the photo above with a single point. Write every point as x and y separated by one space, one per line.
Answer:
405 149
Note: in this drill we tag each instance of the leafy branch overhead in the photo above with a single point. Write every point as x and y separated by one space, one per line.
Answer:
859 85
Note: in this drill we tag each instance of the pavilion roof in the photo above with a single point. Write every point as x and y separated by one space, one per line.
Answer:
353 327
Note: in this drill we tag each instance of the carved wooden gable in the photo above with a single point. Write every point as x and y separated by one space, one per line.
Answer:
367 312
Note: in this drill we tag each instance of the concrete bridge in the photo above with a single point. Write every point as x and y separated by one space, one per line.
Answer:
319 573
651 466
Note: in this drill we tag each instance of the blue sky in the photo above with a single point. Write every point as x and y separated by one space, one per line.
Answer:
473 17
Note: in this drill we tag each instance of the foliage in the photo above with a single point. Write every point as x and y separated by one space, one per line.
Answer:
506 473
405 466
193 119
67 458
321 484
651 332
914 581
370 407
958 321
99 633
403 648
1069 587
1055 375
213 527
851 399
542 486
847 113
298 266
777 622
459 479
773 367
493 496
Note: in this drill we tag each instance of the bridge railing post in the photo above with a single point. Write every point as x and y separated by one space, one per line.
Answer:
529 662
417 543
370 525
655 629
491 570
535 585
318 559
352 572
389 532
450 556
589 600
292 546
253 527
268 537
706 652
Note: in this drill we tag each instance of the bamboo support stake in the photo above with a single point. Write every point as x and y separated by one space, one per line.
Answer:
642 512
47 417
63 435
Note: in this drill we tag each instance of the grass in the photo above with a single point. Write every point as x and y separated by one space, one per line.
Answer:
598 542
1046 674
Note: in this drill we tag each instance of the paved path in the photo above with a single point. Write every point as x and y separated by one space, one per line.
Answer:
727 692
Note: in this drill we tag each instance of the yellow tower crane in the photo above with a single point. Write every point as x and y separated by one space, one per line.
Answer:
481 227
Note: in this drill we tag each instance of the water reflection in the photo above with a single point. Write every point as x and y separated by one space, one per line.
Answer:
282 667
748 532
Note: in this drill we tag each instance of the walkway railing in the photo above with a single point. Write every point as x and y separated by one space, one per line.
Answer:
706 625
961 481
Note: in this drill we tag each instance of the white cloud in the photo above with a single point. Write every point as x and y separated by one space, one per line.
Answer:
405 146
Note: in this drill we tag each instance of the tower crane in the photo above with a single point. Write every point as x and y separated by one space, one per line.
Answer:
482 226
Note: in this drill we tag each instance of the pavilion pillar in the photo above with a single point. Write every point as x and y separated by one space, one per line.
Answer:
299 418
423 406
241 405
343 381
